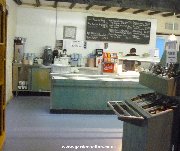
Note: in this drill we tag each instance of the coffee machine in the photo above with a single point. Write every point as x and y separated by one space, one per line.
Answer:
47 56
19 46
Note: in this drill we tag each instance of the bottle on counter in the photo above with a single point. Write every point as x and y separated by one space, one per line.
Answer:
100 66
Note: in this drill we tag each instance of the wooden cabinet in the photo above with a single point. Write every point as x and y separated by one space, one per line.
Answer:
3 28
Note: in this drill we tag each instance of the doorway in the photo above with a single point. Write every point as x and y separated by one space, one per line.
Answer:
160 44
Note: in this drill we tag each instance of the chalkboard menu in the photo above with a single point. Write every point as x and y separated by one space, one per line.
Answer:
118 30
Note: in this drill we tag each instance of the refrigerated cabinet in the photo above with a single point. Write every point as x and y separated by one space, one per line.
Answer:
32 78
41 81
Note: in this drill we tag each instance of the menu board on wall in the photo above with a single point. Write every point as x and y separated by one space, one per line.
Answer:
117 30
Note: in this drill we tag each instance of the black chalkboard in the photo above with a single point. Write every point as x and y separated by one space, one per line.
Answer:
117 30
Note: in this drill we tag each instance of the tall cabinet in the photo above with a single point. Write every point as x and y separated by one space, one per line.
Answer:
3 30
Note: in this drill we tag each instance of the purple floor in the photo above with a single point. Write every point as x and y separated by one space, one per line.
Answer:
30 127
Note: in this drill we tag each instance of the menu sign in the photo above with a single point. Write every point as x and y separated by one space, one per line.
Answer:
118 30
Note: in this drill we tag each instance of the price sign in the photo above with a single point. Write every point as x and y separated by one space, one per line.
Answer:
171 56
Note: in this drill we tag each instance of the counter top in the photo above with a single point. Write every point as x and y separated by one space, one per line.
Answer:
138 58
31 66
84 77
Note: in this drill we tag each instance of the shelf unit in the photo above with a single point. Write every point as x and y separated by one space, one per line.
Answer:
168 87
159 84
3 35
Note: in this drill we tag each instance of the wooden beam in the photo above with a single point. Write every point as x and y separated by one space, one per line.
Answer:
153 5
55 4
18 2
105 8
89 6
122 9
38 3
153 13
139 11
72 5
168 14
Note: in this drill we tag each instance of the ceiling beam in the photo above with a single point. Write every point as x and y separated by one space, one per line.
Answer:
122 9
105 8
89 6
153 5
38 3
168 14
154 13
139 11
55 4
72 5
18 2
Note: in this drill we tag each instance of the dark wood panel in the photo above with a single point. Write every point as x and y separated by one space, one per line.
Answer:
3 39
1 109
1 24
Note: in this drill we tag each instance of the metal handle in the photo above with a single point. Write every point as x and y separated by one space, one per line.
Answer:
124 115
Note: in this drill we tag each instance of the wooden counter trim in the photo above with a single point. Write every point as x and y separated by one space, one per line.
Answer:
2 140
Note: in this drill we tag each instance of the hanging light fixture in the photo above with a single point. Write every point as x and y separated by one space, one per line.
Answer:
172 37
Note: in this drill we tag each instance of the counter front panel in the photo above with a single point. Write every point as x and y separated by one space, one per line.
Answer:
91 93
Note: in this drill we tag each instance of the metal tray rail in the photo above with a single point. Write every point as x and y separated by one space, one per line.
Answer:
119 109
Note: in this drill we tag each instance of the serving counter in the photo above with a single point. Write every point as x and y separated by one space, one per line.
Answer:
80 93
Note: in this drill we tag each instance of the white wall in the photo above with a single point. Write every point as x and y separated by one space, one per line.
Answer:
38 26
11 29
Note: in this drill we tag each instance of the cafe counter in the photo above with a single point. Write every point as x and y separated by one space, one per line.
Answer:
80 93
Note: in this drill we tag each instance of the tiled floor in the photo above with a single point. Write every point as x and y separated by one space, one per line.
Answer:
30 127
